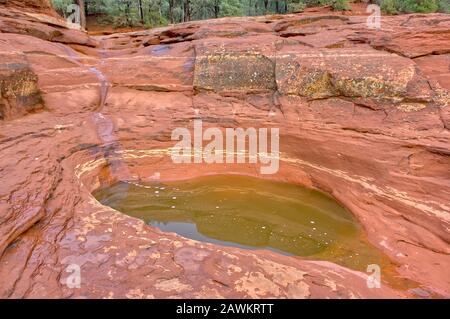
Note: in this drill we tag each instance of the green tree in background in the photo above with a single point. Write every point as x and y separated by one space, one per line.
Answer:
410 6
150 13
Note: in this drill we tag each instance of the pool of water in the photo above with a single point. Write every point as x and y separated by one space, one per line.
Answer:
249 213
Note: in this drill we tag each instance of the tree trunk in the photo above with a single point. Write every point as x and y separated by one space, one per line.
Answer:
187 10
266 5
83 13
216 8
127 13
171 11
141 11
277 6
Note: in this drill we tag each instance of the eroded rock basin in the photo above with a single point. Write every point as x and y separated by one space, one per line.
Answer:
250 213
255 214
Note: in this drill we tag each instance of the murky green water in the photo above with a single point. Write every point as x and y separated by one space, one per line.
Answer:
249 213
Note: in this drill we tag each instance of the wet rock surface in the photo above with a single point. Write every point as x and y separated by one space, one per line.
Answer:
363 115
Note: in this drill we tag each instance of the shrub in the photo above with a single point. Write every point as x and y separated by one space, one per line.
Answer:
335 4
339 5
411 6
444 6
389 6
153 19
423 6
296 7
61 6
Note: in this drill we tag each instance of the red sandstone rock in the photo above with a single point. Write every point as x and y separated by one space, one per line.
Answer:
41 6
19 92
371 129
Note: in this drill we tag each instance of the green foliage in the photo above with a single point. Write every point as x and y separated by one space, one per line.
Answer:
231 8
340 5
411 6
337 5
423 6
296 6
127 13
154 19
61 6
316 3
389 6
444 6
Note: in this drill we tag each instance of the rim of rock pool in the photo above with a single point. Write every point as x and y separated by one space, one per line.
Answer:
387 265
